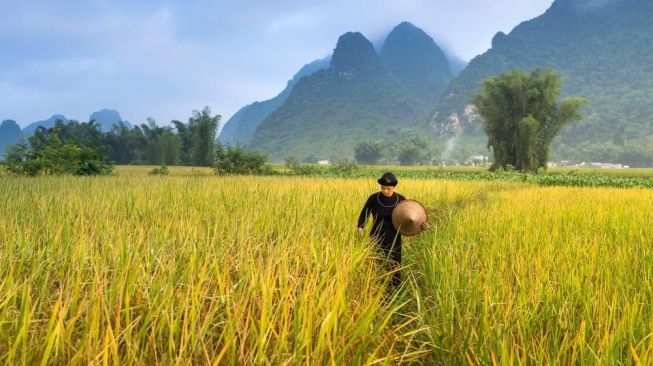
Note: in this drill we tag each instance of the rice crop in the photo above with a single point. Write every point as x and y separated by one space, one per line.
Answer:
193 268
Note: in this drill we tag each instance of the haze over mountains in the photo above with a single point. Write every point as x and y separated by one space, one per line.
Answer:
10 131
242 125
603 49
362 95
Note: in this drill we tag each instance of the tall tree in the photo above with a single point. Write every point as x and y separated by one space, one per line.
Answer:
368 152
169 146
522 116
204 128
186 140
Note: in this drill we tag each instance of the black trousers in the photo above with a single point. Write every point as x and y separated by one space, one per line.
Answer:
388 243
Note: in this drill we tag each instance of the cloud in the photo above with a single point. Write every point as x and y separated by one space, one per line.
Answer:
163 59
301 20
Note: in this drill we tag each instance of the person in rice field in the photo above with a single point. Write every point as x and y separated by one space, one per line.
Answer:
379 207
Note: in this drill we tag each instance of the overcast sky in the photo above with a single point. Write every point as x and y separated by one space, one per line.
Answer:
163 59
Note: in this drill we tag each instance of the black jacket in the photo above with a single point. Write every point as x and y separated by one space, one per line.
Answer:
380 208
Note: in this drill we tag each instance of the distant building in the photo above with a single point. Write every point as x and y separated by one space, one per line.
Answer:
606 166
323 162
596 165
478 160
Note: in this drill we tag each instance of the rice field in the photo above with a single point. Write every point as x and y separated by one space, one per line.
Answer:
193 268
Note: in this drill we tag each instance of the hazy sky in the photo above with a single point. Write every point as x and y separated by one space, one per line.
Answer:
162 59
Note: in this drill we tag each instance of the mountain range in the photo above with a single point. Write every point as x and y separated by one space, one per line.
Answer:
361 95
603 50
10 131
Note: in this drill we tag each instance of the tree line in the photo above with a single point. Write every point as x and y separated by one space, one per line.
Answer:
82 148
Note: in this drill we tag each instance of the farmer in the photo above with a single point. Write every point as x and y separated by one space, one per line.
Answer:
380 205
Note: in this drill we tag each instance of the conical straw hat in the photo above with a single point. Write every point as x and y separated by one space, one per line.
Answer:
408 216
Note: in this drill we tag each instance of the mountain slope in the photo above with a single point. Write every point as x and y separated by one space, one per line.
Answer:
417 63
603 49
242 125
10 134
48 123
106 118
328 112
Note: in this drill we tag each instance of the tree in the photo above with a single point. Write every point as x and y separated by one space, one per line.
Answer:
235 160
522 116
368 152
47 152
126 145
413 150
186 138
203 128
170 147
410 154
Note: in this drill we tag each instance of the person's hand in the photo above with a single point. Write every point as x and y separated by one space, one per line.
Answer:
360 231
425 226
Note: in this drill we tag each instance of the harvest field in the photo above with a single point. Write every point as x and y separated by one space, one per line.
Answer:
193 268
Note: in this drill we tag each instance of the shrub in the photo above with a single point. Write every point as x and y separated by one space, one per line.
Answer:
235 160
298 168
162 170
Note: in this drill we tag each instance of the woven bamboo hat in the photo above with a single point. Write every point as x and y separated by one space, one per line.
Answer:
408 216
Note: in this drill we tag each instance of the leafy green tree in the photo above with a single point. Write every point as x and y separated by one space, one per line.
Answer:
170 147
367 152
126 145
460 153
47 152
203 128
235 160
186 139
18 160
410 154
522 116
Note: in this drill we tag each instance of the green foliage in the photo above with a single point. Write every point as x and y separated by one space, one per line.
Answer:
17 160
410 154
368 152
162 170
522 116
235 160
413 151
145 144
203 129
298 168
507 174
47 152
93 167
601 52
344 168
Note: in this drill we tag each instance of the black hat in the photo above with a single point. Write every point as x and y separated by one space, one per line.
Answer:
388 179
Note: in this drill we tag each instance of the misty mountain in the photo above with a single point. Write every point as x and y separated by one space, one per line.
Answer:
328 112
361 96
242 125
603 49
106 118
47 123
10 134
418 64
